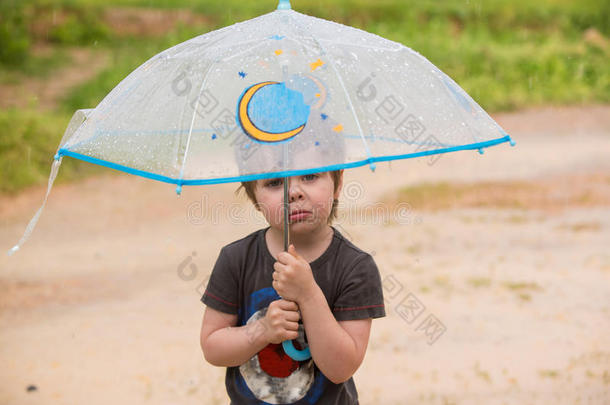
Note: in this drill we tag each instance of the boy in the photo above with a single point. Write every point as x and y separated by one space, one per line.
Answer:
323 280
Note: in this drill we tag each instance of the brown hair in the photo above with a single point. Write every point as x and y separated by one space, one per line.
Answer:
335 175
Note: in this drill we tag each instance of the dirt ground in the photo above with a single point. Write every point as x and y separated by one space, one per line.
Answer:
102 305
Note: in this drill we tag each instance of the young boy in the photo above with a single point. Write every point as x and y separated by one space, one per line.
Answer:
257 293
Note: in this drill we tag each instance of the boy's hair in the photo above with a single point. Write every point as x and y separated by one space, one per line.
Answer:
249 186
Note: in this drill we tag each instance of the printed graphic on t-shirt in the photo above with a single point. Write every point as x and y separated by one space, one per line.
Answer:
271 375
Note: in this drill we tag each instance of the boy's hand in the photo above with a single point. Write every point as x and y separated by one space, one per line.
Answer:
292 278
281 321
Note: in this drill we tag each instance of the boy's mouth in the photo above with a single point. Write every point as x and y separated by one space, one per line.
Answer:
299 215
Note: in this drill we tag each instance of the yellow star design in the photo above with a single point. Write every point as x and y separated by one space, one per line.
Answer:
316 64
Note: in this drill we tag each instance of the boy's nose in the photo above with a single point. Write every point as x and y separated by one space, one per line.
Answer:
295 193
294 190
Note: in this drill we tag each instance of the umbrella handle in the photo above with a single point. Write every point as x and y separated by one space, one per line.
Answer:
289 349
294 353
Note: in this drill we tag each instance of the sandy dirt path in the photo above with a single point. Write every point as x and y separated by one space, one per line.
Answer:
102 305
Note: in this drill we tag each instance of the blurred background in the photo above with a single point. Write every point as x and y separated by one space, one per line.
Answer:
508 250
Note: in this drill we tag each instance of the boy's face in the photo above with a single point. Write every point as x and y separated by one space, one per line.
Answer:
311 193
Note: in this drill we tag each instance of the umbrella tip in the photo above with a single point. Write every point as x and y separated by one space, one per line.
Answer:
13 250
283 5
178 189
481 151
512 142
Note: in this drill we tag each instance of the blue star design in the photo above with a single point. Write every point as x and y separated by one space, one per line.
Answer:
324 116
242 74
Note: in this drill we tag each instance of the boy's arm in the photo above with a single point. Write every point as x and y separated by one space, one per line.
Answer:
225 345
337 348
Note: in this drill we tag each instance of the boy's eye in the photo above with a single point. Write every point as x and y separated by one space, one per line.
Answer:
274 183
279 181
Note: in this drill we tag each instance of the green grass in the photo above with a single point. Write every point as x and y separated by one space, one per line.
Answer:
548 373
483 374
41 66
27 145
478 282
506 54
522 289
521 286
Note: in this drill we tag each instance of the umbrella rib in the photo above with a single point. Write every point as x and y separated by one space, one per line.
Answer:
228 47
208 43
474 133
242 52
399 48
349 100
188 141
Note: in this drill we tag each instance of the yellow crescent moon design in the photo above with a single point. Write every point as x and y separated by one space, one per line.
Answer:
250 128
322 93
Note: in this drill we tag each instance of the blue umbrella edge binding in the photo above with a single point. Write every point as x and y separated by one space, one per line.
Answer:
288 173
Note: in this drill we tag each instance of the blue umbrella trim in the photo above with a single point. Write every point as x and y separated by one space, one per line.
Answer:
289 173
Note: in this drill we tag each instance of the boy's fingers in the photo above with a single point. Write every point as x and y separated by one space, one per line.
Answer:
277 266
284 257
289 256
292 326
293 316
288 305
293 251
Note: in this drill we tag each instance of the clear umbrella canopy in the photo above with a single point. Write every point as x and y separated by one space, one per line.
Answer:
278 95
219 107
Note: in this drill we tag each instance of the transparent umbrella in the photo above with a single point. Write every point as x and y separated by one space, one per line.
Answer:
280 95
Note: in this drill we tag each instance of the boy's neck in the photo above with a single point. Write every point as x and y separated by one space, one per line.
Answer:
309 245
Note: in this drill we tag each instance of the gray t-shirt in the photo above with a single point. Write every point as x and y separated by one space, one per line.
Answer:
240 284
